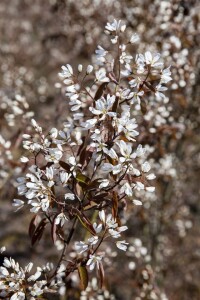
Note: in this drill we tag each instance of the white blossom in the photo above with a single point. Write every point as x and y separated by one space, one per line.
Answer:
60 219
137 202
103 106
153 60
114 26
24 159
89 69
94 261
67 71
122 245
101 76
134 38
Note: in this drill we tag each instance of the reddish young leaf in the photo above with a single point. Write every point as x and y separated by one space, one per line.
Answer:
101 275
83 274
39 231
81 146
100 90
150 86
85 157
115 200
54 230
64 165
143 107
115 105
85 222
33 224
49 164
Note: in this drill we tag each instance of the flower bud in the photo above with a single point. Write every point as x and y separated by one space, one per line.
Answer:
80 68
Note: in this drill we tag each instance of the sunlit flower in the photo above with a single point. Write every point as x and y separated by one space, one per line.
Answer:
94 261
103 106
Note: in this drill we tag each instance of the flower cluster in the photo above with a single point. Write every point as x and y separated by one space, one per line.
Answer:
87 172
17 283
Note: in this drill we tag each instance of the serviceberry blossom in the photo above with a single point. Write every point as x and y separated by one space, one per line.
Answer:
81 177
100 54
103 106
114 26
17 283
94 261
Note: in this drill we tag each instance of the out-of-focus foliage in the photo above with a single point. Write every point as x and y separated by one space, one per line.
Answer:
37 37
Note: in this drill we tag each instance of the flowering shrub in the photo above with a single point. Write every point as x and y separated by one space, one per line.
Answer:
83 177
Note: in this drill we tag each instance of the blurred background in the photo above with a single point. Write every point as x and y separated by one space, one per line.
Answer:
36 38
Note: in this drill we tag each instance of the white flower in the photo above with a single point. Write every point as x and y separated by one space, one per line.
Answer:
153 59
107 168
127 125
24 159
93 261
111 223
125 58
93 240
113 26
166 75
150 189
146 167
37 205
100 54
104 183
126 151
61 219
102 216
89 69
72 160
67 71
101 76
53 133
137 96
36 126
4 271
123 28
2 249
127 189
6 262
114 40
28 268
114 230
122 245
140 151
69 196
137 202
18 203
49 173
110 152
140 61
134 38
64 177
159 90
26 136
97 228
103 106
139 186
114 233
127 71
151 176
54 155
81 247
89 124
18 296
36 275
